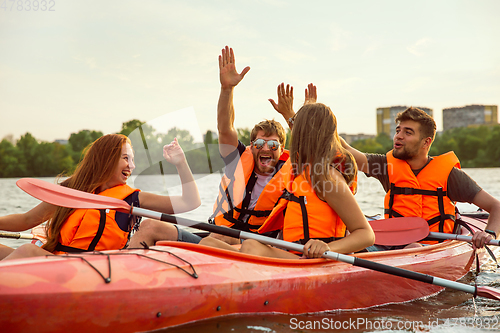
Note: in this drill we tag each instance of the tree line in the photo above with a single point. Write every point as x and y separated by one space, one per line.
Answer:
476 147
29 157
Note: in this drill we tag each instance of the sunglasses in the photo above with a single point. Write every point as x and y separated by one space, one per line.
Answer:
272 144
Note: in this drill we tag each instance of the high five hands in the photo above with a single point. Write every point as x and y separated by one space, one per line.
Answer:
285 99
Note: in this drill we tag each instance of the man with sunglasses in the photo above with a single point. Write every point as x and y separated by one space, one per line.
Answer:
252 182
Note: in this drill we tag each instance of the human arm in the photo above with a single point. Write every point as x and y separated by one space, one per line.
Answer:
360 157
190 198
342 201
229 78
30 219
487 202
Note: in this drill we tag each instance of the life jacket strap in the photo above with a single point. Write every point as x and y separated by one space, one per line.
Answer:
286 195
326 240
412 191
257 213
439 193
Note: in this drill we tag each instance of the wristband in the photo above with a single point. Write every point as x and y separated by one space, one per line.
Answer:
290 120
491 232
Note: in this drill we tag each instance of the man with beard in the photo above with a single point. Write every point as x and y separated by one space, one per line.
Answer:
252 182
419 185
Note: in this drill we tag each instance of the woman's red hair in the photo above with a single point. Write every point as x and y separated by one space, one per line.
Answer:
100 160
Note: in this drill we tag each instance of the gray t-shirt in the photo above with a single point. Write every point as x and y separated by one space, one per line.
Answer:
460 188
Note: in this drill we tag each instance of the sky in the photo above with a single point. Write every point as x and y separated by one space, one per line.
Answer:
90 64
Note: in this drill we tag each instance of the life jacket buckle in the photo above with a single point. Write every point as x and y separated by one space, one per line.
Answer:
287 195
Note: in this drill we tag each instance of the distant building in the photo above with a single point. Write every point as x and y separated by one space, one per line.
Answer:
350 138
386 118
61 142
470 115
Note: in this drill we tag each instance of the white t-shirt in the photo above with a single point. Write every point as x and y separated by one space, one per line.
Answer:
257 189
260 183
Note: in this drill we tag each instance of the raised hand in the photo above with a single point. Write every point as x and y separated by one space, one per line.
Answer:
173 153
285 101
311 96
229 77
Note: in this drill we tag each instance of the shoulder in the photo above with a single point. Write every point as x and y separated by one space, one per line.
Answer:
241 147
461 187
460 176
336 175
235 154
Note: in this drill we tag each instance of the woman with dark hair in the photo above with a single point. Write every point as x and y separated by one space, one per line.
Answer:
318 202
107 164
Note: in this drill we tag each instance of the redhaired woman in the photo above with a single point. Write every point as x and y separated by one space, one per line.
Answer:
107 164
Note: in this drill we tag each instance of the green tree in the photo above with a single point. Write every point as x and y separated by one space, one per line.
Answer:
381 144
288 139
78 142
44 161
27 147
244 135
11 164
62 157
129 126
385 141
492 148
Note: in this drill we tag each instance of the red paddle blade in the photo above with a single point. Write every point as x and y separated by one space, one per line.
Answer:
488 292
67 197
399 230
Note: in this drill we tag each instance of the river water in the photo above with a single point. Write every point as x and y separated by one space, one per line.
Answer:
448 311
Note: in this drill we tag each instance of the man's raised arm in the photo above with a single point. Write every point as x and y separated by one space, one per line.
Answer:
360 157
229 78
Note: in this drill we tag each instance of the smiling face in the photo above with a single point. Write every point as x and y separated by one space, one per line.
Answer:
265 158
408 141
124 167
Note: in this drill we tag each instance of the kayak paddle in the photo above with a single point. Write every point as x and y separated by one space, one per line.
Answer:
442 235
399 230
395 231
16 235
413 229
66 197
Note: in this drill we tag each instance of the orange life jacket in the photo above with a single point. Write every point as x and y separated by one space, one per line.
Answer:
235 192
423 195
92 229
307 216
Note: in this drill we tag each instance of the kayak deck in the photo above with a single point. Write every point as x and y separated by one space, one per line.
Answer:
153 289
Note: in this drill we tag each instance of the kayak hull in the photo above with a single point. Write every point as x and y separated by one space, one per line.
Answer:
64 293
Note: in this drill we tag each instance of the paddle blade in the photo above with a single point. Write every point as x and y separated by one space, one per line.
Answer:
67 197
488 292
399 230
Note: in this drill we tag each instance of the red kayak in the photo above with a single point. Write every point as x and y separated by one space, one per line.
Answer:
177 283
